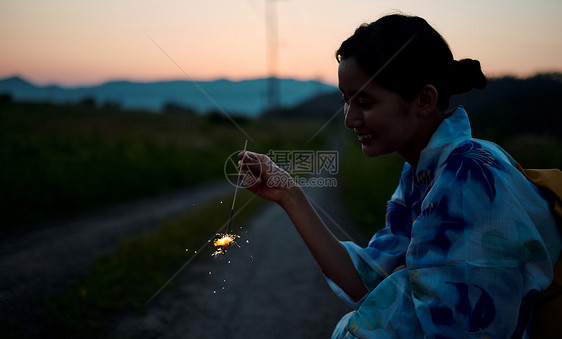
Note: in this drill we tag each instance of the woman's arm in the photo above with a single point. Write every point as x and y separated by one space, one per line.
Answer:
330 254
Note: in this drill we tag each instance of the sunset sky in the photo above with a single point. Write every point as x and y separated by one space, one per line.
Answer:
77 42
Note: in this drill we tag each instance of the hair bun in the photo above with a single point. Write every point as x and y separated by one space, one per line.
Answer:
465 75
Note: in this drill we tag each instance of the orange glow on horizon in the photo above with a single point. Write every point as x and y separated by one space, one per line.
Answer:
78 44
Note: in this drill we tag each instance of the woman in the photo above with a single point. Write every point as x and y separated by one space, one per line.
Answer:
468 240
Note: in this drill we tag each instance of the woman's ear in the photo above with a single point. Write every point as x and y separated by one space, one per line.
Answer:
426 100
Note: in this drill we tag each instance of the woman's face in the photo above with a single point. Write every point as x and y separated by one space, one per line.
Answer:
383 121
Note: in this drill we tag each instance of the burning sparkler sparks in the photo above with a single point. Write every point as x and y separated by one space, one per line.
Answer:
223 242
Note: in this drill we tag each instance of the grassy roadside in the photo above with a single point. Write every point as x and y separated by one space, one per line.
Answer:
128 278
535 151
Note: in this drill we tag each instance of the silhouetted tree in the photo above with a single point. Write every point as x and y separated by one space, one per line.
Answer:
87 102
175 108
112 105
6 97
218 118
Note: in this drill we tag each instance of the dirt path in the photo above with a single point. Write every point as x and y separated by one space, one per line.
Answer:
39 262
270 287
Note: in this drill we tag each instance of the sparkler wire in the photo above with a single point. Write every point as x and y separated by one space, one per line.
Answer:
235 192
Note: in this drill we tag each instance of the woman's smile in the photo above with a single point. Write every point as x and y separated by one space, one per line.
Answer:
364 137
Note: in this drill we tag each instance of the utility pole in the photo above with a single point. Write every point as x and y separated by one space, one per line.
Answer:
272 51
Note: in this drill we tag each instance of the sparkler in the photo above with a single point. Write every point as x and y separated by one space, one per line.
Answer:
235 192
228 238
223 242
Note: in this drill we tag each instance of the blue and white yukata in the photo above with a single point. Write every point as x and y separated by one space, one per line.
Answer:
477 238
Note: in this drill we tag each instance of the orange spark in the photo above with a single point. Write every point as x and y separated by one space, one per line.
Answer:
223 242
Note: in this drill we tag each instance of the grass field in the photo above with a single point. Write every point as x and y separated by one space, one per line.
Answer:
60 160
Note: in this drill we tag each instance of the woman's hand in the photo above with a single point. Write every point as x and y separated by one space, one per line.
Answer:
264 178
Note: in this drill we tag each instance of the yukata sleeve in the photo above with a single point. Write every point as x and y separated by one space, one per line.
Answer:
385 252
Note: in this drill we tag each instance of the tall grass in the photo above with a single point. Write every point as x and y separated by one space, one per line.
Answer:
59 160
535 151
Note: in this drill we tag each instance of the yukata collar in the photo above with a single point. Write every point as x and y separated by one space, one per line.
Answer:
452 131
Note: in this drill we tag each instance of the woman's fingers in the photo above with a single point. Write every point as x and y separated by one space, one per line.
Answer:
254 162
263 177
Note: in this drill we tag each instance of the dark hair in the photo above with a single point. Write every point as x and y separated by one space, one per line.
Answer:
416 54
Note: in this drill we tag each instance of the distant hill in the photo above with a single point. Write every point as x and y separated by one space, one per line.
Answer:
246 97
322 106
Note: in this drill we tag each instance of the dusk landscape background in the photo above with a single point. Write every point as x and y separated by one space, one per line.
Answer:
117 121
80 43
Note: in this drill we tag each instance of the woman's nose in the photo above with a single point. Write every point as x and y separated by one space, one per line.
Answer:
353 118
